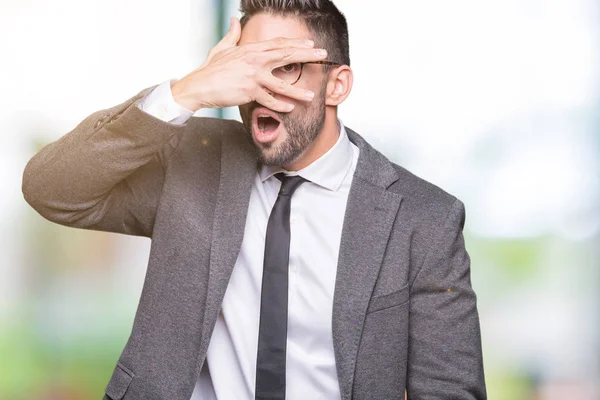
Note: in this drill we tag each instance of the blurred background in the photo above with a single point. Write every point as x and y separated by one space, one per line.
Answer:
496 101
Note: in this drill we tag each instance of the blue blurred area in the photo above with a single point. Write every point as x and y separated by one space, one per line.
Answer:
497 102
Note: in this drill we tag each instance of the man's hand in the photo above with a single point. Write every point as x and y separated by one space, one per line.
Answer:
234 75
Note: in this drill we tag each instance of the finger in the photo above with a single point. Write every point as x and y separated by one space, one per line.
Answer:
282 87
271 102
281 57
229 41
236 31
231 38
280 43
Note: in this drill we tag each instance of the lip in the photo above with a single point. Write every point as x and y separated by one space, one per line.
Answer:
264 138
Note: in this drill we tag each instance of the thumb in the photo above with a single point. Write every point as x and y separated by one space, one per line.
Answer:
235 32
232 37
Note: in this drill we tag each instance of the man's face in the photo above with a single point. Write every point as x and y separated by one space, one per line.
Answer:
301 126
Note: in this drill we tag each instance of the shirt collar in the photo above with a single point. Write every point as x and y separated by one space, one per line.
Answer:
327 171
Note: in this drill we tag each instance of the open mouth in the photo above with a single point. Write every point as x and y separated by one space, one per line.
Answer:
265 125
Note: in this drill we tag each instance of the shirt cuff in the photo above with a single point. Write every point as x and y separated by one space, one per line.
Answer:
161 104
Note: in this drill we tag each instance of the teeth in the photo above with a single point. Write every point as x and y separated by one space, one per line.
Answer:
261 123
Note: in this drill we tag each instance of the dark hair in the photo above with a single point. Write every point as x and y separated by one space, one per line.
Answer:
322 18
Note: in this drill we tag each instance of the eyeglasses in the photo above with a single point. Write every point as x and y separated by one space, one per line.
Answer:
292 73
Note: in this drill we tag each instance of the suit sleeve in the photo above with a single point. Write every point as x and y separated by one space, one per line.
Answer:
107 173
445 356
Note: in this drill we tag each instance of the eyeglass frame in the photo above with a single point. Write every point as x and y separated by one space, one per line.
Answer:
312 62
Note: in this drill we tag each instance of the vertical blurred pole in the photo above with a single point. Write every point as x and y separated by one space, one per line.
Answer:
205 31
210 22
221 11
226 10
221 28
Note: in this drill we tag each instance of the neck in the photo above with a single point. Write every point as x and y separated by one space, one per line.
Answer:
326 139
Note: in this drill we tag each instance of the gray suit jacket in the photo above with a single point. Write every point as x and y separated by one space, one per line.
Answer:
404 312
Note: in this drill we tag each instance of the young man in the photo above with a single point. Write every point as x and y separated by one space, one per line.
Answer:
289 258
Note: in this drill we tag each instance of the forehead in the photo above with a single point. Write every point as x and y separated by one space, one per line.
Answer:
262 27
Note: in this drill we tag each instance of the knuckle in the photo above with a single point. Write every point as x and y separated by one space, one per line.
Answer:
251 57
282 86
246 90
251 72
246 49
250 89
247 98
279 41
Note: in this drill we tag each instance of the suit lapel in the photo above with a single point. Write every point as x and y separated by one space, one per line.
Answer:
238 168
370 214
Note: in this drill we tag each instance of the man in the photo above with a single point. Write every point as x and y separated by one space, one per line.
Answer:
289 258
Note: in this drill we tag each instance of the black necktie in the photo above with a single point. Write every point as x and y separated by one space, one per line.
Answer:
272 331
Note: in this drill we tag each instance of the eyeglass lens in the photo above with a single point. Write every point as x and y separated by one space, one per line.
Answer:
288 73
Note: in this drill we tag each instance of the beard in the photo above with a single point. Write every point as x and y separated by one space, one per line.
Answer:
302 126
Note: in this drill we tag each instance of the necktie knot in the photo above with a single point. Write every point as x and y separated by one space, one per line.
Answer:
289 183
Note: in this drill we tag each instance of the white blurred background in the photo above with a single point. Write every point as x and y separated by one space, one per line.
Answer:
496 101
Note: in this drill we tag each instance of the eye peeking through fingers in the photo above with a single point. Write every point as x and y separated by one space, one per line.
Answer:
291 67
288 73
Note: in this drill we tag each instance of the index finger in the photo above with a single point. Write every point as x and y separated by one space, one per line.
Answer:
281 57
280 43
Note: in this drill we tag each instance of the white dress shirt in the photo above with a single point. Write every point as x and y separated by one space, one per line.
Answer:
316 219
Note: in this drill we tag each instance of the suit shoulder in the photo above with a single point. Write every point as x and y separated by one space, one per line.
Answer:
206 134
421 197
216 127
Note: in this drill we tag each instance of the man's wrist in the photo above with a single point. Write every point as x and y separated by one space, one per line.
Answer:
178 93
160 104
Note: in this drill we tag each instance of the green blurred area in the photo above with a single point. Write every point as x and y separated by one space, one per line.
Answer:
51 360
39 370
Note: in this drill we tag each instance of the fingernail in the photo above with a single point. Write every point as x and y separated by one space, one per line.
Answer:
322 52
289 107
310 43
309 95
